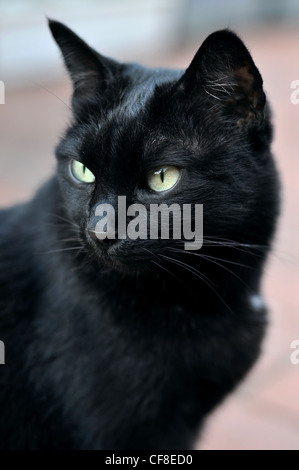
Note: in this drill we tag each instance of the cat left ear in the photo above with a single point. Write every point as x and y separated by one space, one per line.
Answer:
90 72
225 71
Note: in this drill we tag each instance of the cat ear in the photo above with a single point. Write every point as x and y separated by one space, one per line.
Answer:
225 71
90 72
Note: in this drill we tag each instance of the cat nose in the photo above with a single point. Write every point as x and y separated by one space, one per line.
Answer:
102 238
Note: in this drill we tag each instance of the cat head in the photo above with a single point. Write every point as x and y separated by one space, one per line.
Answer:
153 136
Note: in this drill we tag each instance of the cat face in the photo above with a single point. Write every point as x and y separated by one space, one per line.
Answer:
199 136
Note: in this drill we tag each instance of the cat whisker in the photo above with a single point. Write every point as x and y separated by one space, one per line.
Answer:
59 250
212 257
219 244
61 225
212 260
51 93
201 276
165 269
66 240
246 247
81 266
65 220
142 125
191 268
236 246
213 96
234 242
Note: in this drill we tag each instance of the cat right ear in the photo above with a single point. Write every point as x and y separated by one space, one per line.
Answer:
224 70
90 72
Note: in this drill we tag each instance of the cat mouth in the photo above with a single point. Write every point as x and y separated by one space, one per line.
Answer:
111 254
103 251
132 258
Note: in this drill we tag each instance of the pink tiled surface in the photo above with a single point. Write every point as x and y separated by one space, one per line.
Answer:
264 412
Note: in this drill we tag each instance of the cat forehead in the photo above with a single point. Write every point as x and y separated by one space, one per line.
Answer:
143 82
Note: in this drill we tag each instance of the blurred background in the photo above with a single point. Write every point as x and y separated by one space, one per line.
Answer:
264 411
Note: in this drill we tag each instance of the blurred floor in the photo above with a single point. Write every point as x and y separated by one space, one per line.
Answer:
264 412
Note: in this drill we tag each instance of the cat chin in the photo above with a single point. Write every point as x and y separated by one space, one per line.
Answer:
125 267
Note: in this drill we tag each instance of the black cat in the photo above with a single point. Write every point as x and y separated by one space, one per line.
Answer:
128 344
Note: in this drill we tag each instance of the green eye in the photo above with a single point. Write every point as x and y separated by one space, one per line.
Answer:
81 172
163 178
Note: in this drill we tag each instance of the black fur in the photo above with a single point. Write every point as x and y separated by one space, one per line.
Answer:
132 350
